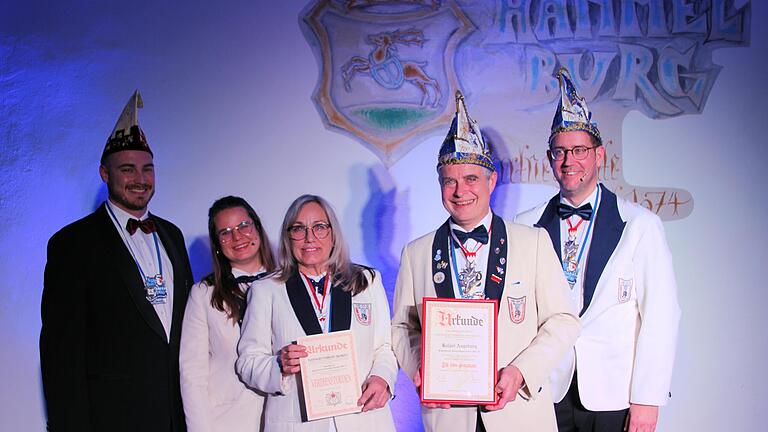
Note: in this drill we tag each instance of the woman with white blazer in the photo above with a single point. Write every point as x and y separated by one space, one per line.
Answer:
214 397
317 290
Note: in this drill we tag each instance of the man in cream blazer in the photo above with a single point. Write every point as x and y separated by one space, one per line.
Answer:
614 254
536 324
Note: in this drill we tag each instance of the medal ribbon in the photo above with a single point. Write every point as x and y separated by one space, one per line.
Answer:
467 255
133 255
573 229
319 303
589 229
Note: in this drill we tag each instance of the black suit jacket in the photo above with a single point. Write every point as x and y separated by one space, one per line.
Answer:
106 363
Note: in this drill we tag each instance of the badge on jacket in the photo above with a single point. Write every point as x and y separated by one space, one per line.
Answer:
516 309
625 289
363 313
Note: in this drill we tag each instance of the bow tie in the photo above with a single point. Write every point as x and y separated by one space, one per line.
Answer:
565 211
479 234
246 279
147 226
318 285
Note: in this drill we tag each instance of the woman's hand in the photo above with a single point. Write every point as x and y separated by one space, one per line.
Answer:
288 358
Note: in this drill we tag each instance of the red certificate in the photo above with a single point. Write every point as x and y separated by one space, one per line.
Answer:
458 351
329 379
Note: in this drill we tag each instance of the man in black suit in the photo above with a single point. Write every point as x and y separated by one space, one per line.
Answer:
116 284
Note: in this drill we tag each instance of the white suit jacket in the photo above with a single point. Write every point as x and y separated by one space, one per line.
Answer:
536 323
630 317
279 313
214 397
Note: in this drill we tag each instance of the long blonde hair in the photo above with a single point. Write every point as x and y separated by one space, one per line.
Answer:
351 277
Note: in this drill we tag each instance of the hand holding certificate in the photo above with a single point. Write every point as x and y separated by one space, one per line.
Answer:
329 375
458 352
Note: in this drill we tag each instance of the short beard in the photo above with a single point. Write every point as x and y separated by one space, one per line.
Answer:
119 199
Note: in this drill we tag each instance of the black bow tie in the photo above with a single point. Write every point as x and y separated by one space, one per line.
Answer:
246 279
565 211
479 234
147 226
318 285
241 300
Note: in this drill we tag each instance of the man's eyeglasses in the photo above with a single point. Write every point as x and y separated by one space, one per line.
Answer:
300 232
578 152
245 228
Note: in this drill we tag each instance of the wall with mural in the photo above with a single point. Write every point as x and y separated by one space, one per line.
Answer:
351 100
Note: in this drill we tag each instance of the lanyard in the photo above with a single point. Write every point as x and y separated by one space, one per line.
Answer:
589 228
130 249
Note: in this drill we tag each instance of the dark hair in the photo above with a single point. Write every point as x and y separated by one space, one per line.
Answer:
345 273
226 294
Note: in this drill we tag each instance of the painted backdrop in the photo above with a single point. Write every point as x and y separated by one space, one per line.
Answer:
351 100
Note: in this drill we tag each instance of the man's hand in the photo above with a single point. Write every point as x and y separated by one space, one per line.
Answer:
641 418
375 393
510 381
417 382
289 356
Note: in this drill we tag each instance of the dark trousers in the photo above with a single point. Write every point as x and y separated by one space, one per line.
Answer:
479 426
573 417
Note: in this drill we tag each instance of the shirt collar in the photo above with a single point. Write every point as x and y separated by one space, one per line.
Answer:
591 199
122 216
486 221
236 272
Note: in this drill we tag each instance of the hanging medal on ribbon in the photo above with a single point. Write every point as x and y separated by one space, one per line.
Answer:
572 253
319 303
470 279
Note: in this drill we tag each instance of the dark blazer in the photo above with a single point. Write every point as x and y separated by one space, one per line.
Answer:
106 363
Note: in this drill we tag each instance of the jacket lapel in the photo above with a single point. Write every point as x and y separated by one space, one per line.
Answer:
301 304
607 232
441 256
341 308
128 271
550 221
497 261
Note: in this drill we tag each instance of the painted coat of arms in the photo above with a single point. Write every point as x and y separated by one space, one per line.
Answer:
386 68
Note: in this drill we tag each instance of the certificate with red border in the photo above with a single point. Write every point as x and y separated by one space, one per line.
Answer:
458 351
329 379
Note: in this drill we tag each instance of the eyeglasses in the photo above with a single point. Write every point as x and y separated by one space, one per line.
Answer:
578 152
245 228
300 232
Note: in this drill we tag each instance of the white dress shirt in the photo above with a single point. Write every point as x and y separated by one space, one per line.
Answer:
481 259
142 247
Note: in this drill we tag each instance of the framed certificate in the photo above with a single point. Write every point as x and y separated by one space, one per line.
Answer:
329 381
458 351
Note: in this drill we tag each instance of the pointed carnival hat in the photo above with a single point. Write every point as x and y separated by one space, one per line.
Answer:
127 135
464 143
572 113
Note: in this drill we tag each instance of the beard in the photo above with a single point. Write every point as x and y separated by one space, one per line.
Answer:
125 199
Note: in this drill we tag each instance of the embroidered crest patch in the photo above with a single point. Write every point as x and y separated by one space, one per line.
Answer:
625 289
516 309
363 313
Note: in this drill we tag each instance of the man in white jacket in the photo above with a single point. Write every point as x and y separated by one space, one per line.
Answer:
476 254
615 257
